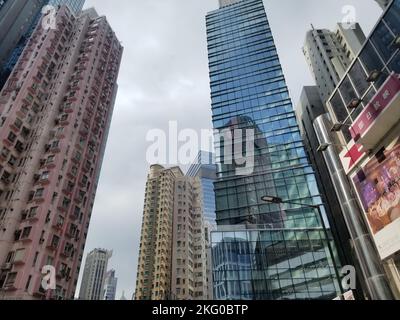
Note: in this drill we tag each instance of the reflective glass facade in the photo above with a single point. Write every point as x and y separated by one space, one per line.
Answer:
272 265
249 92
378 54
204 168
75 5
6 69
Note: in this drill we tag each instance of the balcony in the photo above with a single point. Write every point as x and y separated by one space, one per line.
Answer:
64 205
53 243
379 116
68 250
75 214
7 266
20 147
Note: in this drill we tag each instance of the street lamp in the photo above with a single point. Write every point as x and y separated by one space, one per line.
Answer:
374 75
339 126
324 146
354 103
396 42
277 200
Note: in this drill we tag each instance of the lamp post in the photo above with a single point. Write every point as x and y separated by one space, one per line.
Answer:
277 200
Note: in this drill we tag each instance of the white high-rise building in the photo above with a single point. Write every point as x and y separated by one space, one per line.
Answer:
330 53
94 275
110 285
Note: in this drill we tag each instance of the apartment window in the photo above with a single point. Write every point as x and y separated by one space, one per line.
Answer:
5 152
45 175
55 195
28 283
19 255
55 241
66 203
29 98
60 221
26 232
39 193
55 144
35 259
12 137
18 123
33 212
12 161
10 279
50 159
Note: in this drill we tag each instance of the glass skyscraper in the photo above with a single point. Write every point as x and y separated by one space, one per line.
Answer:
262 251
204 168
75 5
7 67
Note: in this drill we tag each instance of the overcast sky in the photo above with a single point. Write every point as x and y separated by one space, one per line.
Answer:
163 77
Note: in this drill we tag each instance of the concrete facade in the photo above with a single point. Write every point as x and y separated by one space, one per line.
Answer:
56 110
329 54
94 275
172 257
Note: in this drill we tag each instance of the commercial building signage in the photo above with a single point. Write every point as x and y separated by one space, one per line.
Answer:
351 156
375 108
378 187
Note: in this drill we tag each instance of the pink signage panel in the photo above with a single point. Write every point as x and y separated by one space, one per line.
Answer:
377 105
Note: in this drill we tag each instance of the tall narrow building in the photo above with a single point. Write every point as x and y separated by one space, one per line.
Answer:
56 111
110 285
265 251
153 281
330 53
172 256
94 275
205 169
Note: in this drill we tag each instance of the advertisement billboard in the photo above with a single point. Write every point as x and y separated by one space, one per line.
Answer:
378 187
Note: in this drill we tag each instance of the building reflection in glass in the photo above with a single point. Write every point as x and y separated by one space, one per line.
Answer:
272 265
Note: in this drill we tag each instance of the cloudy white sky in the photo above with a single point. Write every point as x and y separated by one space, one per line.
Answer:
163 77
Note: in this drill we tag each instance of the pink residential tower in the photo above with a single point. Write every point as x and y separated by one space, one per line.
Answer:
55 111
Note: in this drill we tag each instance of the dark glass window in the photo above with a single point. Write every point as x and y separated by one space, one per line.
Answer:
392 17
347 90
395 63
359 78
370 58
338 107
383 39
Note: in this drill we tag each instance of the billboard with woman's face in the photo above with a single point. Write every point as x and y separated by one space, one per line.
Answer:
378 187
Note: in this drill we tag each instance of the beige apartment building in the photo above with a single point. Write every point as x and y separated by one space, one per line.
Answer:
172 256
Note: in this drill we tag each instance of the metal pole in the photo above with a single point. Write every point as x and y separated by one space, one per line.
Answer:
370 263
